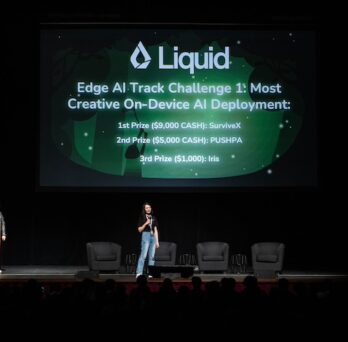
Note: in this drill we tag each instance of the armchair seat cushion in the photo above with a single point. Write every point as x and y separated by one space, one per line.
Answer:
106 257
213 258
162 258
267 258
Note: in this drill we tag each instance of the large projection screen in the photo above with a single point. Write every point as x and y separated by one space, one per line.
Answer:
177 106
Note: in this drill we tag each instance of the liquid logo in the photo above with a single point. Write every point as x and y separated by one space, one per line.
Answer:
184 60
140 49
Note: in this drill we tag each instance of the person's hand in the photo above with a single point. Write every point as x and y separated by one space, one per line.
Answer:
148 221
3 238
157 244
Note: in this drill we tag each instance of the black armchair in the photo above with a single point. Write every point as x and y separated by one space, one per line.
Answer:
267 258
165 255
212 256
104 256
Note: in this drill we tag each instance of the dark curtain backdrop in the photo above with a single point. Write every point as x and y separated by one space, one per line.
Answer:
53 228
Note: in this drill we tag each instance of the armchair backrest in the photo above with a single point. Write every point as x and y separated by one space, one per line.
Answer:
166 253
268 248
212 248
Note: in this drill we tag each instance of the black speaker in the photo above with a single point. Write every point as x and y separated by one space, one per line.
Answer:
87 274
158 271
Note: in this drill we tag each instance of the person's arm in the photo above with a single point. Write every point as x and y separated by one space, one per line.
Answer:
156 237
141 228
2 227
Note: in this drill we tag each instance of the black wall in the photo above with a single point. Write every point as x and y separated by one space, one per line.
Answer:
52 228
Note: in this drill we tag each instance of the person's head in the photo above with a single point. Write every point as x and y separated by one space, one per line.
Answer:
147 209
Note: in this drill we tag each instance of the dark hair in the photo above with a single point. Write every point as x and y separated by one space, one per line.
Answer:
143 214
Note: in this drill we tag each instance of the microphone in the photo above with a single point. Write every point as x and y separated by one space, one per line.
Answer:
149 216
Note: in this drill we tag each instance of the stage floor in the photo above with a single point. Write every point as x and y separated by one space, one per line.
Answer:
69 274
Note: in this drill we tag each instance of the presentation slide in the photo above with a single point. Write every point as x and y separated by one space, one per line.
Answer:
199 107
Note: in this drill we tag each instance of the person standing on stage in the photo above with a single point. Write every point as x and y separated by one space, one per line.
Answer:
2 237
148 227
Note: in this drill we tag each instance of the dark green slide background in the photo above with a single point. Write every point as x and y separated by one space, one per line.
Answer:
254 115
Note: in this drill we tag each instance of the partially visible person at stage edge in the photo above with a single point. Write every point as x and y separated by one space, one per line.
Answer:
148 227
2 237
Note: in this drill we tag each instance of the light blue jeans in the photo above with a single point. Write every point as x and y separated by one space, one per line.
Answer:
148 245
